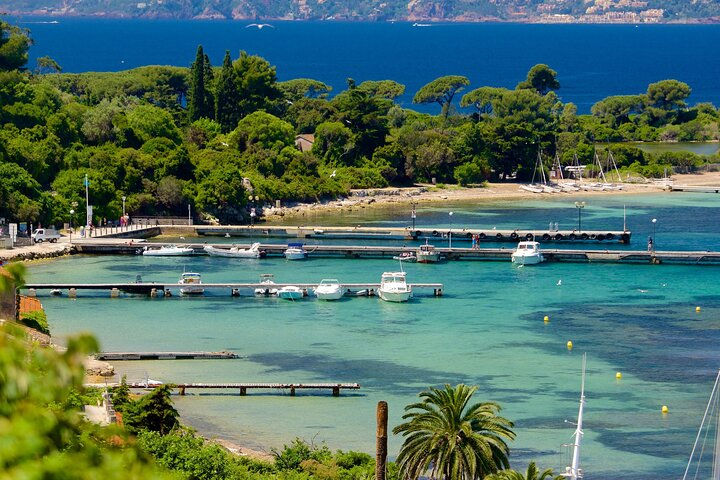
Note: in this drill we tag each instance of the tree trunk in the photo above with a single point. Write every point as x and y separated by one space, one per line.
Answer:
381 441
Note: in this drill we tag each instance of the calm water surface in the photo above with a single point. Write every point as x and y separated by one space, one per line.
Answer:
487 330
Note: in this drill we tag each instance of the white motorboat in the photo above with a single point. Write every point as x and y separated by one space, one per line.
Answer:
167 251
191 284
394 288
409 257
427 254
527 253
329 289
236 252
268 286
290 292
295 251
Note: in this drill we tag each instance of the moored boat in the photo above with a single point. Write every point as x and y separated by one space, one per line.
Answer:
409 257
329 289
236 252
295 251
394 287
528 253
290 292
427 254
191 284
268 286
167 251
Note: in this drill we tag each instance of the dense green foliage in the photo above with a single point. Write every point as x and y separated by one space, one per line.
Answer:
43 434
169 137
36 320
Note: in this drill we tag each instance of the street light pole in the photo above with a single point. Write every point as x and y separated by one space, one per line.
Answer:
123 199
413 215
580 206
450 233
654 240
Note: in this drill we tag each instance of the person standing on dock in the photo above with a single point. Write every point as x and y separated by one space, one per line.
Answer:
651 247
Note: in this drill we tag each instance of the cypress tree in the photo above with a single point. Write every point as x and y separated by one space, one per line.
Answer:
209 78
196 99
227 106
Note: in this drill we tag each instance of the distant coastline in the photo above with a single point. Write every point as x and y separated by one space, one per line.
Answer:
630 19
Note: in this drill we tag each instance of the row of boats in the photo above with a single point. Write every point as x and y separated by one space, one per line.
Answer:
393 287
292 252
526 253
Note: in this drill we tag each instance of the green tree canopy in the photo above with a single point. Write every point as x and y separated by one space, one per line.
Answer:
668 94
14 45
298 88
540 78
227 96
448 438
532 473
389 89
441 91
616 110
482 98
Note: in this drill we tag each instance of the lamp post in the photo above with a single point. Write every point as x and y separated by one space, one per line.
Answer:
654 222
252 209
413 215
123 199
450 233
579 206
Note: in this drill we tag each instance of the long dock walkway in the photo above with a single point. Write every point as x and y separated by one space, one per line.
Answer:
122 356
695 188
244 387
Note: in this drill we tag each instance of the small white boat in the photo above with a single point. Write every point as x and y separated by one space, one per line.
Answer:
191 284
528 253
295 251
56 292
235 252
406 257
427 254
168 251
329 289
290 292
268 287
394 288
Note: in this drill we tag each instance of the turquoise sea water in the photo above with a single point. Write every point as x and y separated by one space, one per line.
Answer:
487 330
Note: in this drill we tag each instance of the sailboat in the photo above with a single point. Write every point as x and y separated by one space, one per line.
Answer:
573 472
559 178
709 431
543 186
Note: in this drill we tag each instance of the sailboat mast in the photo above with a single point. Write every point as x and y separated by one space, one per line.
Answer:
716 456
575 472
716 461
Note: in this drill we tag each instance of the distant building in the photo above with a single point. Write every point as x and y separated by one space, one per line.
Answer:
304 141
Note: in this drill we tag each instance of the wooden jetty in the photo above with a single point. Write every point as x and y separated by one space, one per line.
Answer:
122 356
244 387
694 188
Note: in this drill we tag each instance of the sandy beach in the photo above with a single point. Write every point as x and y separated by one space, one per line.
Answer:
427 194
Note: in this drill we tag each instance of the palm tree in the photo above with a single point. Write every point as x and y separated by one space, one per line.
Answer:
531 474
452 440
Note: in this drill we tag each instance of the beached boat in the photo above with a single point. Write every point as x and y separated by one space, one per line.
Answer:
394 287
295 251
167 251
267 287
329 289
406 257
191 284
427 254
290 292
527 253
235 252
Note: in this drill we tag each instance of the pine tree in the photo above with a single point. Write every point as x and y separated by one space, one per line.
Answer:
196 99
209 78
227 107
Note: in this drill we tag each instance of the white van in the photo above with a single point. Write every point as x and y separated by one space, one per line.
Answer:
45 235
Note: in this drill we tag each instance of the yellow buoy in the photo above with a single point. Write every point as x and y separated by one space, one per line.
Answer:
664 409
569 345
546 319
618 375
697 309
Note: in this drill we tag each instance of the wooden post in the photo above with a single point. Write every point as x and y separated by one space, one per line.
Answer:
243 391
336 391
182 391
381 440
292 391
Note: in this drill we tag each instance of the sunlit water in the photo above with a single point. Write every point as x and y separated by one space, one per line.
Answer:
487 330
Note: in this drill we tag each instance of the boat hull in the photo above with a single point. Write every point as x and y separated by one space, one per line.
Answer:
290 293
428 257
329 293
395 296
528 259
182 252
232 252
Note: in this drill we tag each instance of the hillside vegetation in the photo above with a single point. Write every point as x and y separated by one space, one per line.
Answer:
220 137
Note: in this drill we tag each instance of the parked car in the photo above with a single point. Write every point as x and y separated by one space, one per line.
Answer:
45 235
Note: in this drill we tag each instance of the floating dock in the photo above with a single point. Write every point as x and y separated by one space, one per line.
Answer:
694 188
122 356
335 388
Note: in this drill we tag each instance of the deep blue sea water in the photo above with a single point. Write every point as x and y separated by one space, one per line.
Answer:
486 330
592 61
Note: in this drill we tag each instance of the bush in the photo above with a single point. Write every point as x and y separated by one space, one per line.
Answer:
36 320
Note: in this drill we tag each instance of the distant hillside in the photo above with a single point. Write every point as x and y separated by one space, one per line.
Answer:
536 11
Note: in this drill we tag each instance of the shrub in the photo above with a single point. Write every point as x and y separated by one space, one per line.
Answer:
36 320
